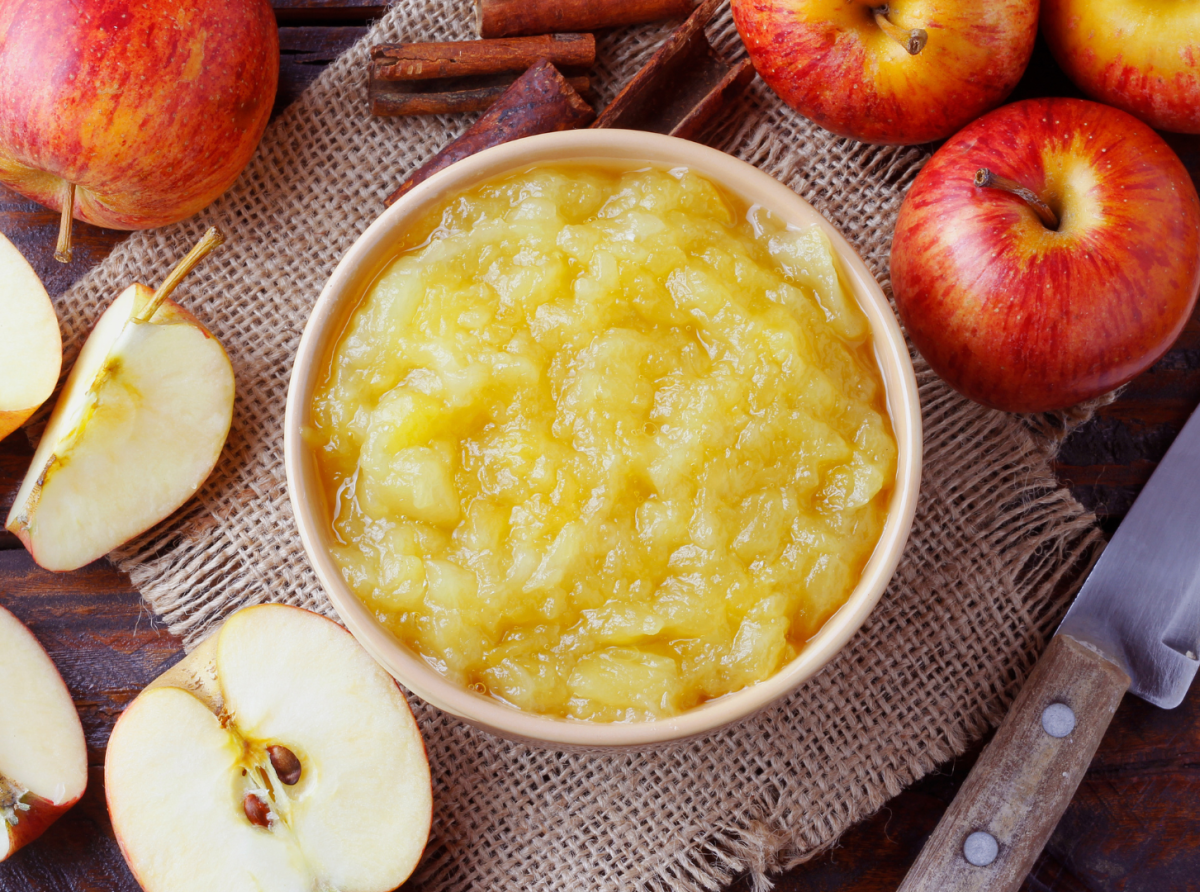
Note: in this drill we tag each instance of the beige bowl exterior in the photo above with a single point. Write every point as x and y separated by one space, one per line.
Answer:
367 258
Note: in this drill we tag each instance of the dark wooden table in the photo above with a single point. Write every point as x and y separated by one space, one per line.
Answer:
1133 825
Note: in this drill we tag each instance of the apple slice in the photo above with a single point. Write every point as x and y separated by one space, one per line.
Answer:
43 758
138 427
277 756
30 344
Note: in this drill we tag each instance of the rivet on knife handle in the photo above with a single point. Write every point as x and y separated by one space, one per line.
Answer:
1025 778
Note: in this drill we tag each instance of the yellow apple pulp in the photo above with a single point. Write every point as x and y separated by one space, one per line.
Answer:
605 444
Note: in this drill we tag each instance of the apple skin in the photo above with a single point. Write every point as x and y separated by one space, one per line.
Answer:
1142 56
151 107
34 822
10 420
830 61
1023 318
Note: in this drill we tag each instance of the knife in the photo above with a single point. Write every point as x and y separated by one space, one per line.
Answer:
1134 626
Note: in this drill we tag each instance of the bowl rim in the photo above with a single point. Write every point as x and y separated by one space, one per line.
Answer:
369 253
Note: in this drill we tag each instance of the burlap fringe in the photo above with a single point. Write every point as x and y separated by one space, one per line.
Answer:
996 551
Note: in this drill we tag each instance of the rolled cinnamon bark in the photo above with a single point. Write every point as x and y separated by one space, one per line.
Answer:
399 98
540 101
464 58
508 18
683 85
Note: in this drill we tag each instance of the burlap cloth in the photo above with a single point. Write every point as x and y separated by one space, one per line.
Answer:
994 554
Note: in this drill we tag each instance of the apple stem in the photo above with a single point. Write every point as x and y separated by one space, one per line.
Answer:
210 240
984 178
62 251
913 41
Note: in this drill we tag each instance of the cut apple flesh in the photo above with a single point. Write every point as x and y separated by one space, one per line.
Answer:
43 758
30 343
188 752
138 427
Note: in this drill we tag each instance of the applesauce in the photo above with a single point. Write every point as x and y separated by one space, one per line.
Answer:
604 444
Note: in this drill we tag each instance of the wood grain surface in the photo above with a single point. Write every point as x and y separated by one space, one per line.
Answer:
1132 825
1026 778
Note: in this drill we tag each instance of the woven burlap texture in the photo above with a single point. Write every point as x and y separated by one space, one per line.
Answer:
994 554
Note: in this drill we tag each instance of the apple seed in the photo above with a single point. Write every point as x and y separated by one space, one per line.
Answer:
285 763
257 811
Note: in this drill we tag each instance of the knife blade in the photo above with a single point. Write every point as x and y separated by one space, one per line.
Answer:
1135 625
1140 605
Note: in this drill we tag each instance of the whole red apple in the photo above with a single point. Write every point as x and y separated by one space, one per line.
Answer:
905 72
1029 314
1139 55
148 108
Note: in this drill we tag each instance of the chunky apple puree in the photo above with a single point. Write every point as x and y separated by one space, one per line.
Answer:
605 444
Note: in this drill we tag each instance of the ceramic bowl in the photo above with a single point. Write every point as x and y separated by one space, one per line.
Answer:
372 252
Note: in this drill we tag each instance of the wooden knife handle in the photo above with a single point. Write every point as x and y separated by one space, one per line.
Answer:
1025 777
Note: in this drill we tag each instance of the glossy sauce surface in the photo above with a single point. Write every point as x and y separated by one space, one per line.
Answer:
605 444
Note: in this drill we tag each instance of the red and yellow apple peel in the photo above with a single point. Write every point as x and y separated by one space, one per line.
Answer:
1142 56
1066 269
132 114
910 71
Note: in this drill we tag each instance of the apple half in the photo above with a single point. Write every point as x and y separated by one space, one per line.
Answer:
277 756
30 343
43 757
138 427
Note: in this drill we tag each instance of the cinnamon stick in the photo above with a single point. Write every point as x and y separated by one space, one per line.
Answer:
447 97
683 85
466 76
465 58
540 101
508 18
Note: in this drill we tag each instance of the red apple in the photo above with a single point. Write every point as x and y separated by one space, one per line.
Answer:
905 72
1139 55
1030 316
148 108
